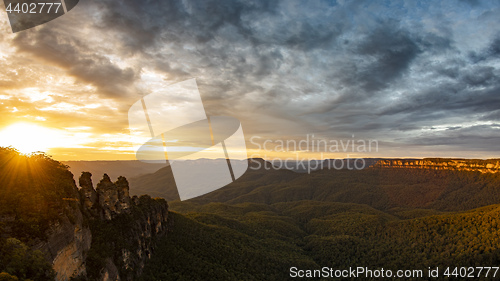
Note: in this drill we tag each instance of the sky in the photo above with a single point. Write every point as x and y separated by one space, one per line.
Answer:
419 77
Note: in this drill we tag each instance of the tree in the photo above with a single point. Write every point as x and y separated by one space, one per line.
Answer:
4 276
19 261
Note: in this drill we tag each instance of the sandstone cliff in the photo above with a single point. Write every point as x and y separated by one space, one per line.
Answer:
483 166
51 229
106 235
124 229
67 244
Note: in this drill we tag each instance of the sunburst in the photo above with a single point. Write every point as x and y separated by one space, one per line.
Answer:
28 138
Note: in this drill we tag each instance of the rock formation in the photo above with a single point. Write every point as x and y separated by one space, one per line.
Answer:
50 228
70 240
137 232
113 198
129 261
87 190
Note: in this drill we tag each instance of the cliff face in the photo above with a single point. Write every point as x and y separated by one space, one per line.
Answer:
483 166
124 229
67 242
51 229
105 222
134 236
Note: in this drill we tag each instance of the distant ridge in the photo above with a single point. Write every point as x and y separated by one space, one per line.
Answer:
134 168
114 169
456 164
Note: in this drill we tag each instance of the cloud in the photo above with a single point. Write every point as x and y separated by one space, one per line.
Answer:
391 50
475 137
385 71
79 60
494 48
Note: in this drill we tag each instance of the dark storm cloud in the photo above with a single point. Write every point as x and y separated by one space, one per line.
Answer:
392 51
146 23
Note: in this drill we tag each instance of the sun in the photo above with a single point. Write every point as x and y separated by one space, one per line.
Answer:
28 138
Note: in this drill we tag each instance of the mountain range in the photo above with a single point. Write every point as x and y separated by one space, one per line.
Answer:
394 214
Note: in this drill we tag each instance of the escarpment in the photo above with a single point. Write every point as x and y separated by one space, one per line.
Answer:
52 230
478 165
108 235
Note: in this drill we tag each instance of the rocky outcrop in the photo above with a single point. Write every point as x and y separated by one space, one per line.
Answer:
87 191
477 165
138 241
128 226
52 230
122 187
83 230
113 198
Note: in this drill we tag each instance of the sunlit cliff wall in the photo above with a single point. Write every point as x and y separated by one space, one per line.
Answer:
483 166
